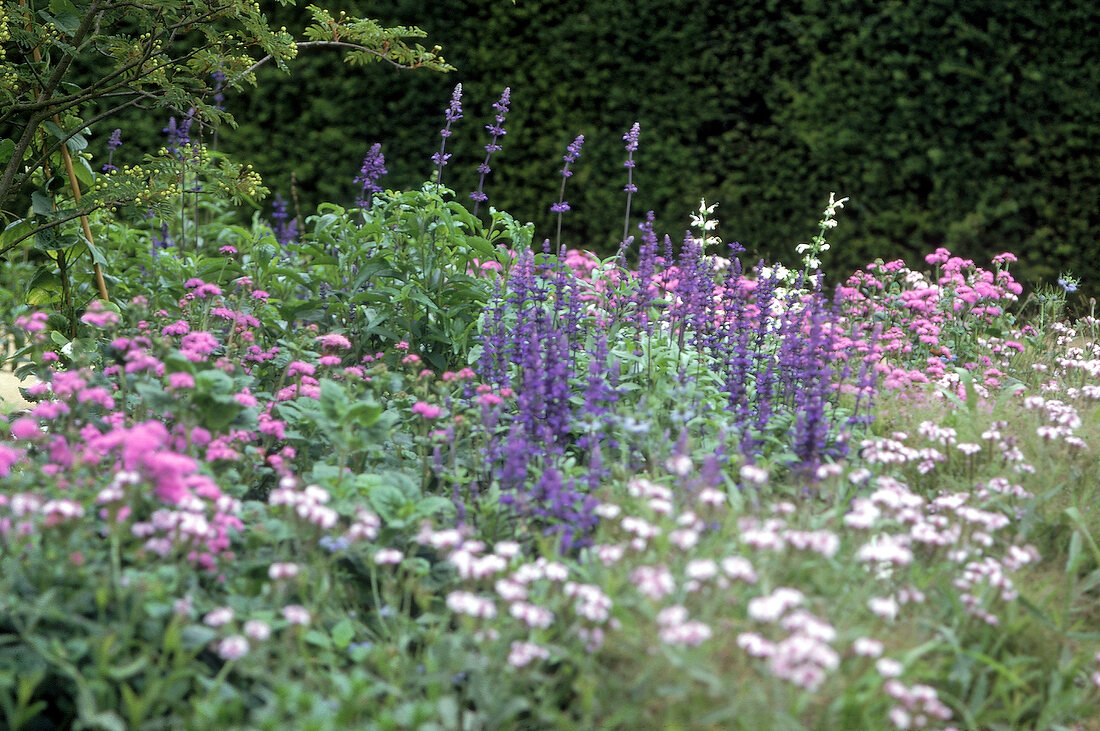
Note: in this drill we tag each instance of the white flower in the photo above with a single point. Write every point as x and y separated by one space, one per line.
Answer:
834 204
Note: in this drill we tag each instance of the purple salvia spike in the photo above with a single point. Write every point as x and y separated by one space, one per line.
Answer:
453 114
631 140
373 168
497 131
571 154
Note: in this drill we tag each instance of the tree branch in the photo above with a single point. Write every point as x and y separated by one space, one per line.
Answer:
310 44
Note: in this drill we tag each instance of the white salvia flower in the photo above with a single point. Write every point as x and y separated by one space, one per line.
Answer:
834 204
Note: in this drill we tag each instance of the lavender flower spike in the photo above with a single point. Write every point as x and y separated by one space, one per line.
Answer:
453 114
497 131
374 167
631 140
571 154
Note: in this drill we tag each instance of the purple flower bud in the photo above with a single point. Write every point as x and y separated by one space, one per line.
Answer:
631 137
573 152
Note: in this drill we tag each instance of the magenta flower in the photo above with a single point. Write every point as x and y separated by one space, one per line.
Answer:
25 428
8 457
104 318
333 341
426 410
182 379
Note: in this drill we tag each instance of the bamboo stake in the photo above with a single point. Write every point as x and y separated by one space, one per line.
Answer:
74 184
100 284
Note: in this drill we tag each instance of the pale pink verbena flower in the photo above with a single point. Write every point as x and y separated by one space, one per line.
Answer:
509 590
524 653
885 607
701 569
753 474
692 634
653 581
676 614
592 603
281 571
233 647
710 496
889 668
463 602
771 607
507 549
257 629
388 556
218 617
609 554
738 567
867 647
684 539
531 614
755 644
295 614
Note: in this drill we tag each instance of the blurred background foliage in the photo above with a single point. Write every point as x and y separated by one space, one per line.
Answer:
974 126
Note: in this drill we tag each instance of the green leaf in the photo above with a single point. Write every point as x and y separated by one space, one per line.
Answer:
127 671
342 634
365 413
76 143
197 636
318 638
41 203
7 148
84 172
434 504
387 501
97 255
334 401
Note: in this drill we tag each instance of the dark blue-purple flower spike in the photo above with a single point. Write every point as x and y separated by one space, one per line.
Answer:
647 267
571 154
373 168
496 130
453 114
179 135
631 140
284 227
113 143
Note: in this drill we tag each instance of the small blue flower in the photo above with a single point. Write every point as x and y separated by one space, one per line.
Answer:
1068 285
333 543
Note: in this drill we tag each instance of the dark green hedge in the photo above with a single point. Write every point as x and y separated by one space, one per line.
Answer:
974 126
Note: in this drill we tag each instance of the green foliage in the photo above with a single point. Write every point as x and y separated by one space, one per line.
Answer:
407 269
161 57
